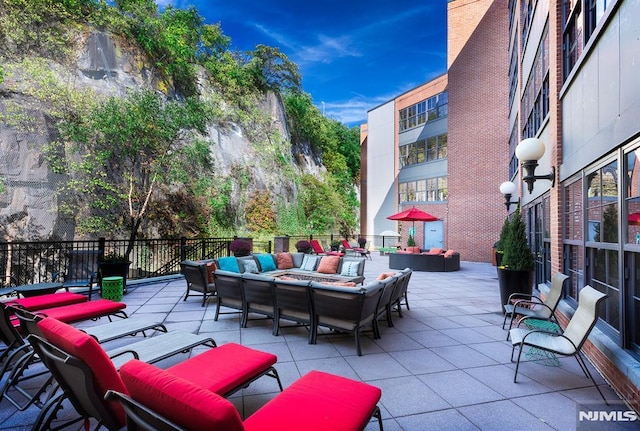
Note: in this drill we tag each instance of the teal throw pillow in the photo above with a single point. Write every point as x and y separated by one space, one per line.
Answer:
229 264
266 262
350 269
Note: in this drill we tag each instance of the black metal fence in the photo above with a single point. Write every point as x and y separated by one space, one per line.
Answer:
42 261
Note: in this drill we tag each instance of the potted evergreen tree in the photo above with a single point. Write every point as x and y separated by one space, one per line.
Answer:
515 274
499 245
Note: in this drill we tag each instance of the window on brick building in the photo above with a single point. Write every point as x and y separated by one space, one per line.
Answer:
580 19
535 97
427 110
424 150
426 190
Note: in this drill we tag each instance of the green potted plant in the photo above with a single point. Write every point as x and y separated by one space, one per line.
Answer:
499 245
515 274
335 245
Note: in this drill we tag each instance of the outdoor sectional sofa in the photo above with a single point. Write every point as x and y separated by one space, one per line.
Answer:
298 265
434 260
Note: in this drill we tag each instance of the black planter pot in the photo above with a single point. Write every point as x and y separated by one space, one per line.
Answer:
511 281
113 269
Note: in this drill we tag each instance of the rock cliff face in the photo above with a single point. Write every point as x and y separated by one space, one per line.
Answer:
29 207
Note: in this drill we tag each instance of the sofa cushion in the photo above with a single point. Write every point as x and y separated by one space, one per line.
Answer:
450 253
436 251
350 268
309 263
210 266
179 400
328 264
229 263
266 262
83 346
284 260
385 275
318 401
250 266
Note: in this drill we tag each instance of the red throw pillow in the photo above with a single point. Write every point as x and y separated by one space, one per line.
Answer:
385 275
284 260
211 268
450 253
436 251
81 345
328 265
179 400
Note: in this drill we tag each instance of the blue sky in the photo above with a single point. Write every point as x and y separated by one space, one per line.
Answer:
353 55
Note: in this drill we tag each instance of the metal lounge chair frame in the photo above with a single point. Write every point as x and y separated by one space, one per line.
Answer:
570 341
24 356
532 306
81 270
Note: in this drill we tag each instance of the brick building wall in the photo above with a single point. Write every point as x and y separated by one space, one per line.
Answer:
478 128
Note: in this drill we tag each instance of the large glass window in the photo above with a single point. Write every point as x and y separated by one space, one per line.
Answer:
433 148
580 17
429 109
602 204
427 190
535 97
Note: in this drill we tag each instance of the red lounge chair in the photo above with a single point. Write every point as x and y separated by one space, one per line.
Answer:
83 311
317 401
85 372
317 249
40 302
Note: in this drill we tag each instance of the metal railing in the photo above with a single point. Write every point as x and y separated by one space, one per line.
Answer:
41 261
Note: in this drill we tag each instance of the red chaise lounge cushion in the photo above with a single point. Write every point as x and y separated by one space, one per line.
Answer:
40 302
179 400
224 368
318 402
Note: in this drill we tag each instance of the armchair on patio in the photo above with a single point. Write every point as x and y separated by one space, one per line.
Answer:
570 341
81 271
532 306
294 303
230 293
199 278
258 296
347 309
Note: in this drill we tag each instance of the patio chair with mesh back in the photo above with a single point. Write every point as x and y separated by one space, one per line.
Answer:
294 303
347 309
258 296
197 277
230 293
400 293
81 271
570 341
526 305
384 304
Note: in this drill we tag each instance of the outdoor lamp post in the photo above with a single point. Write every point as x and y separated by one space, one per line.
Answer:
528 152
507 189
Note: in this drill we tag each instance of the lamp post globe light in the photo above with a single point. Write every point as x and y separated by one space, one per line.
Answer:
508 189
528 152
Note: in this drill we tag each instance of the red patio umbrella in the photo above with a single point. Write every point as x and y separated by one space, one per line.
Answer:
413 215
634 219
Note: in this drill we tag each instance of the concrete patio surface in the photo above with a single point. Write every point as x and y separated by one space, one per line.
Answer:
444 366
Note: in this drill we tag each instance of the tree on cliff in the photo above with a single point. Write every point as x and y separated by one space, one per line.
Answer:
118 154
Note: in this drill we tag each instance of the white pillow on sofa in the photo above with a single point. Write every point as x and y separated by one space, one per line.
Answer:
350 268
309 263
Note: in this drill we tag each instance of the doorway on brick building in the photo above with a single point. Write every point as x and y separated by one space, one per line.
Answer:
433 234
